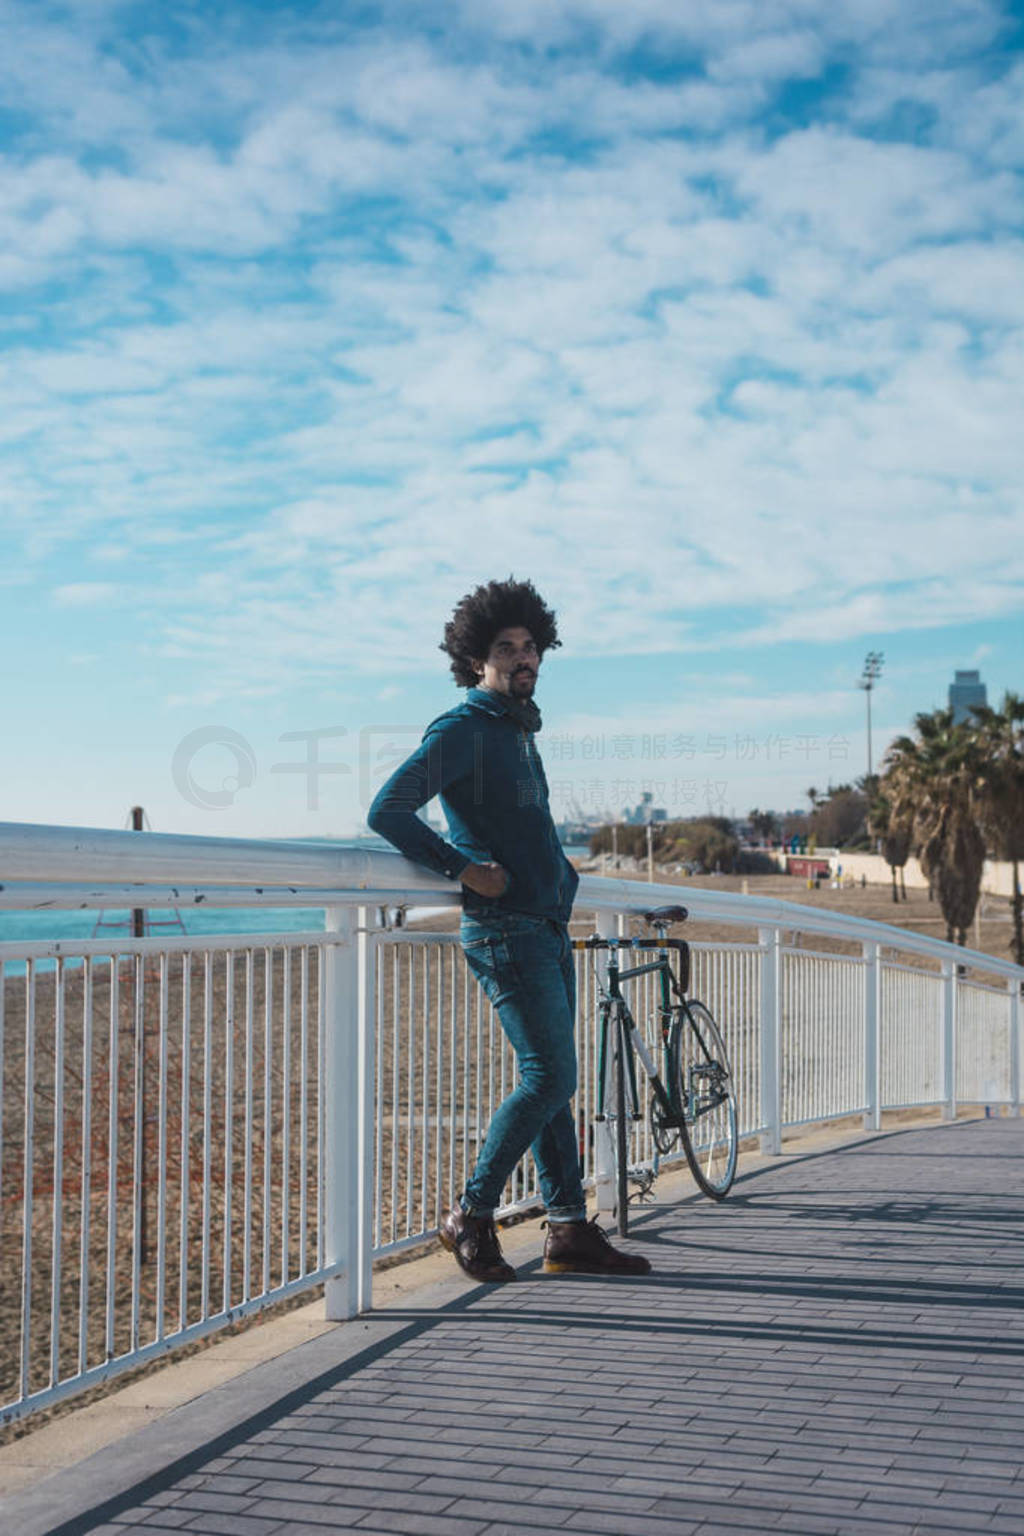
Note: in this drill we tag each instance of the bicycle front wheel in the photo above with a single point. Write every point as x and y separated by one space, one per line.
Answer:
702 1086
617 1119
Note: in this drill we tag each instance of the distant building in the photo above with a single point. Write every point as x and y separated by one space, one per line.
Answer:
644 812
966 689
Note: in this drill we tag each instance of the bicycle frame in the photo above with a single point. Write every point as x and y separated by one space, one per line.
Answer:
697 1085
611 994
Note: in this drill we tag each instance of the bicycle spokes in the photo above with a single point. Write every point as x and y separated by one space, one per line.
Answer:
704 1084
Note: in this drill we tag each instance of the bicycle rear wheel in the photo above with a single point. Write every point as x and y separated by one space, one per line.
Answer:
702 1085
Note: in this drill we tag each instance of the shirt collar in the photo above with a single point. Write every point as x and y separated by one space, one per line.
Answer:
525 713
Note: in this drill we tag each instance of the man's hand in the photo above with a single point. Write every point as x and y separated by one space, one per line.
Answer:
489 880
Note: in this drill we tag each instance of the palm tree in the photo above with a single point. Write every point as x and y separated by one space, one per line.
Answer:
895 834
1000 734
764 823
931 778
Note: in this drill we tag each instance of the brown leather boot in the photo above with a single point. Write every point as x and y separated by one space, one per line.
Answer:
474 1242
581 1248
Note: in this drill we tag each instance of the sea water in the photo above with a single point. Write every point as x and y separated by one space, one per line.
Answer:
114 926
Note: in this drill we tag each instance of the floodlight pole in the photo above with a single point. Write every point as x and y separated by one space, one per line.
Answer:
867 680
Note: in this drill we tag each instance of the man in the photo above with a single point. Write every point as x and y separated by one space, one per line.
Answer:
518 889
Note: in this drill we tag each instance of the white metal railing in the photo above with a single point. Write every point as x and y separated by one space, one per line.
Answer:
194 1127
162 1147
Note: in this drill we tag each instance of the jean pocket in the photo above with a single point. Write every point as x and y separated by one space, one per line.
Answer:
476 946
489 958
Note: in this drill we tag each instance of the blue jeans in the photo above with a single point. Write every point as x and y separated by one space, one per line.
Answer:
524 965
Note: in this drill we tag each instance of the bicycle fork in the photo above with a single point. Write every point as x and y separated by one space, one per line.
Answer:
641 1049
612 1020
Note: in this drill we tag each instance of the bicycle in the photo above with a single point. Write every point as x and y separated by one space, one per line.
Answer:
694 1102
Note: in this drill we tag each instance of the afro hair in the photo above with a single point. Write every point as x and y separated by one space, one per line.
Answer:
484 613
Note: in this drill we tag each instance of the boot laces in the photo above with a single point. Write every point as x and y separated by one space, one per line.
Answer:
588 1230
598 1234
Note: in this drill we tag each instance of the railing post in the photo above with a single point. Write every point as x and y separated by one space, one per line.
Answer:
367 962
604 1163
1013 987
770 940
872 1021
341 1143
948 1040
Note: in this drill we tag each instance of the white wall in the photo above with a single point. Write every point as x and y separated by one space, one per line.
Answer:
997 879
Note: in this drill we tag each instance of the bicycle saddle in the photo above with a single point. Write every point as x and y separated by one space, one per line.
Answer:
666 915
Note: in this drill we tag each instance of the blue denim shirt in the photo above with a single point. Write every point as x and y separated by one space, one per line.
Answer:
488 773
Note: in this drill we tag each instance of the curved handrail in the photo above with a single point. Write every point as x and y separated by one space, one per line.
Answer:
83 866
737 910
96 854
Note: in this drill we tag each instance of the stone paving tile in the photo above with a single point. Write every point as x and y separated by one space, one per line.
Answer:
169 1519
304 1498
413 1524
253 1524
619 1524
837 1348
210 1500
544 1527
230 1525
365 1477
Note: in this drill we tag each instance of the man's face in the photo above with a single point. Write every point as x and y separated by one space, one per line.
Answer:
511 664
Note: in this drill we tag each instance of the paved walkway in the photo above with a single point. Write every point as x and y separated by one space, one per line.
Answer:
839 1347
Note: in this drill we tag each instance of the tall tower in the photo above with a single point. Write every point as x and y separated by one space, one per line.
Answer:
966 689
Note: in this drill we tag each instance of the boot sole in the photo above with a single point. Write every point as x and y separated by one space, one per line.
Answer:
588 1269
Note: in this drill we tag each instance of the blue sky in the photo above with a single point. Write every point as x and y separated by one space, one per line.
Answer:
708 317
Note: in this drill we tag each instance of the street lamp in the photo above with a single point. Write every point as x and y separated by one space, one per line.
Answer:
867 680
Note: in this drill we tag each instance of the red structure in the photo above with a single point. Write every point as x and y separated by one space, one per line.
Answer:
806 865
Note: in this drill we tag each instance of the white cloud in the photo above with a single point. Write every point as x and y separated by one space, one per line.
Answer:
929 606
788 55
911 31
344 324
85 594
